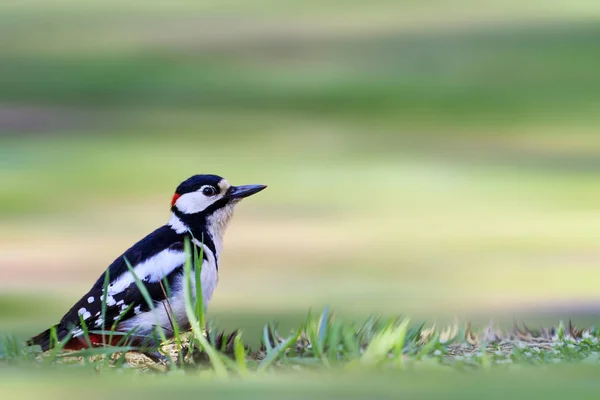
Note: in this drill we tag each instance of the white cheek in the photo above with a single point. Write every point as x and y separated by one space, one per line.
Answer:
191 203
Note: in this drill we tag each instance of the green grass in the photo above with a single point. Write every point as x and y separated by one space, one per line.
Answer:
326 356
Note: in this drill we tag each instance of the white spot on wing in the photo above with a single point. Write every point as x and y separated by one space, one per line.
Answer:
110 301
77 332
91 299
84 313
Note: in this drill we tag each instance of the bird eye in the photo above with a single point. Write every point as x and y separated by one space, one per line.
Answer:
209 191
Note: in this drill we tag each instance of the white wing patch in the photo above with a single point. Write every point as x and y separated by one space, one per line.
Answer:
151 270
110 301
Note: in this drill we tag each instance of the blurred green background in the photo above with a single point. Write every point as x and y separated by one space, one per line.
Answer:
431 158
529 383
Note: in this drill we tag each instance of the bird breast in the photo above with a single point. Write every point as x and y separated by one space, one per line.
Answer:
217 224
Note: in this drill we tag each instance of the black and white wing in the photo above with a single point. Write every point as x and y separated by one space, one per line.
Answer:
124 299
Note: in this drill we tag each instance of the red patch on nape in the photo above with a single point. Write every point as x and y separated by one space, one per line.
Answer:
174 199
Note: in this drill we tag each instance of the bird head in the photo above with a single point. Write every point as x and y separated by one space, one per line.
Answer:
207 201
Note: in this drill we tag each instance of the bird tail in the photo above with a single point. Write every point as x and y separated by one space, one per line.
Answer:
44 339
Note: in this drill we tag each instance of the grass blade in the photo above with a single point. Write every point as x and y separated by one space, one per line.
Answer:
267 338
390 338
239 352
86 334
104 297
322 330
279 351
216 361
199 301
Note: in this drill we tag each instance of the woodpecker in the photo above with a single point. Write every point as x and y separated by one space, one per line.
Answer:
201 209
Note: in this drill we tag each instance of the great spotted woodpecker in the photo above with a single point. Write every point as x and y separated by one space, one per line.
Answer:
201 208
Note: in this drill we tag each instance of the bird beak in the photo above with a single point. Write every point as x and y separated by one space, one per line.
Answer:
239 192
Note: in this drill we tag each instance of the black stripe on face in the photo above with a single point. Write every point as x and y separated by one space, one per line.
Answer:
222 202
198 227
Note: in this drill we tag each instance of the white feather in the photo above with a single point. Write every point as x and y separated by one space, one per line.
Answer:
176 224
151 270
